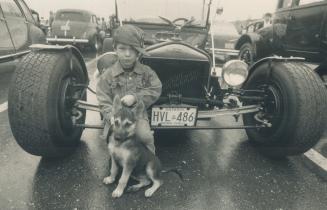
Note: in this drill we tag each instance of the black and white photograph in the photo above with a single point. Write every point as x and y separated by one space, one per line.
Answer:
163 105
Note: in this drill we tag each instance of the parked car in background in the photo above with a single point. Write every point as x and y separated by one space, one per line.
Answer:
253 37
77 27
18 30
299 29
225 37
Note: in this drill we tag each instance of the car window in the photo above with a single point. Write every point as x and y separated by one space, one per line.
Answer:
72 16
251 28
285 4
5 41
10 8
224 28
26 11
304 2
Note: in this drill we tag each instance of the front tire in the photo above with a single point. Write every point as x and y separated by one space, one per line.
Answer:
40 103
295 105
247 53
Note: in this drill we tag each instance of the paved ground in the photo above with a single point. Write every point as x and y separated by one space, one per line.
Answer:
220 168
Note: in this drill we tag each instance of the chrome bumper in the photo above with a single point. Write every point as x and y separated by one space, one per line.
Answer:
229 52
64 40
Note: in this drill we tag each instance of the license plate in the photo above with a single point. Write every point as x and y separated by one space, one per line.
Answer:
229 45
173 116
65 28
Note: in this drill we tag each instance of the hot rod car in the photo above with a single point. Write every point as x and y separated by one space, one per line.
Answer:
282 102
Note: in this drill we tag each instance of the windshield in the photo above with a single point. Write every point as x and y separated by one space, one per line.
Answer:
73 16
148 11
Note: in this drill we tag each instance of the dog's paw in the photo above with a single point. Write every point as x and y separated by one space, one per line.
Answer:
117 193
149 192
108 180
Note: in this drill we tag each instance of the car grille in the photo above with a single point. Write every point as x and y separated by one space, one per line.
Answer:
187 78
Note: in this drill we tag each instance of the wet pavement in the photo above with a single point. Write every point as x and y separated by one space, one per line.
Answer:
221 170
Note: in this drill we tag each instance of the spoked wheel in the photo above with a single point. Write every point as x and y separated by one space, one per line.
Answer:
295 100
246 53
41 100
68 96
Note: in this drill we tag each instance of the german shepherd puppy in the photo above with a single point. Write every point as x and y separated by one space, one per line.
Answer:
129 153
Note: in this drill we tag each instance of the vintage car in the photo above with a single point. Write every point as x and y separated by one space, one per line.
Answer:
76 27
298 29
18 31
246 42
282 102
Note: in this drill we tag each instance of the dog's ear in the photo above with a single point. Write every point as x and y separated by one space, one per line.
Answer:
117 104
139 109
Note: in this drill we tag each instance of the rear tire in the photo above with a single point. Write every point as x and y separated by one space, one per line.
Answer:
39 103
296 107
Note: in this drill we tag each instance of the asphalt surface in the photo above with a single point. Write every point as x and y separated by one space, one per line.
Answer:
221 170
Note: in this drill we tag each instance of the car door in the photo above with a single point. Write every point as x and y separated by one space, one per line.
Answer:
324 37
35 33
280 19
6 44
16 23
303 34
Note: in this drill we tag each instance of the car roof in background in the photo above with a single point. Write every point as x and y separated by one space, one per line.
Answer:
75 10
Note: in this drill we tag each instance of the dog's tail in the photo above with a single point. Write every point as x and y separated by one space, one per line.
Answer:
174 170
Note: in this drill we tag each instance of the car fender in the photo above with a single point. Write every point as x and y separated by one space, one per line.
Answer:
252 38
59 49
258 42
91 32
37 36
271 60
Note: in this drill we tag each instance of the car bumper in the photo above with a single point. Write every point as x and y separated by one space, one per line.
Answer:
224 55
67 40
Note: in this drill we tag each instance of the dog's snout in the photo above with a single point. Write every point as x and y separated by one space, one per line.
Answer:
118 138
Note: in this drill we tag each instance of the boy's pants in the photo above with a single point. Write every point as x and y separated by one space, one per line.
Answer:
143 133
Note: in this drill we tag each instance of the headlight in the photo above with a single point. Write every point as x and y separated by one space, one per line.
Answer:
235 72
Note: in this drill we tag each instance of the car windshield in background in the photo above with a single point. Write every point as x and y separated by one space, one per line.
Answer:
148 11
224 28
73 16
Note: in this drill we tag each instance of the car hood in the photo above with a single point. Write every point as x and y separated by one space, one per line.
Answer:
70 28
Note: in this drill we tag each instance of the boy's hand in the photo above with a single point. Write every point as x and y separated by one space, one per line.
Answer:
128 100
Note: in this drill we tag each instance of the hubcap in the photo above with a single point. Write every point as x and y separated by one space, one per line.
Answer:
67 98
65 105
246 56
272 109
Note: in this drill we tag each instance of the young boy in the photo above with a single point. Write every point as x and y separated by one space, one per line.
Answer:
131 80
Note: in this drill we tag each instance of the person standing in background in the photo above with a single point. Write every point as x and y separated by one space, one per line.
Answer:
51 18
267 19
